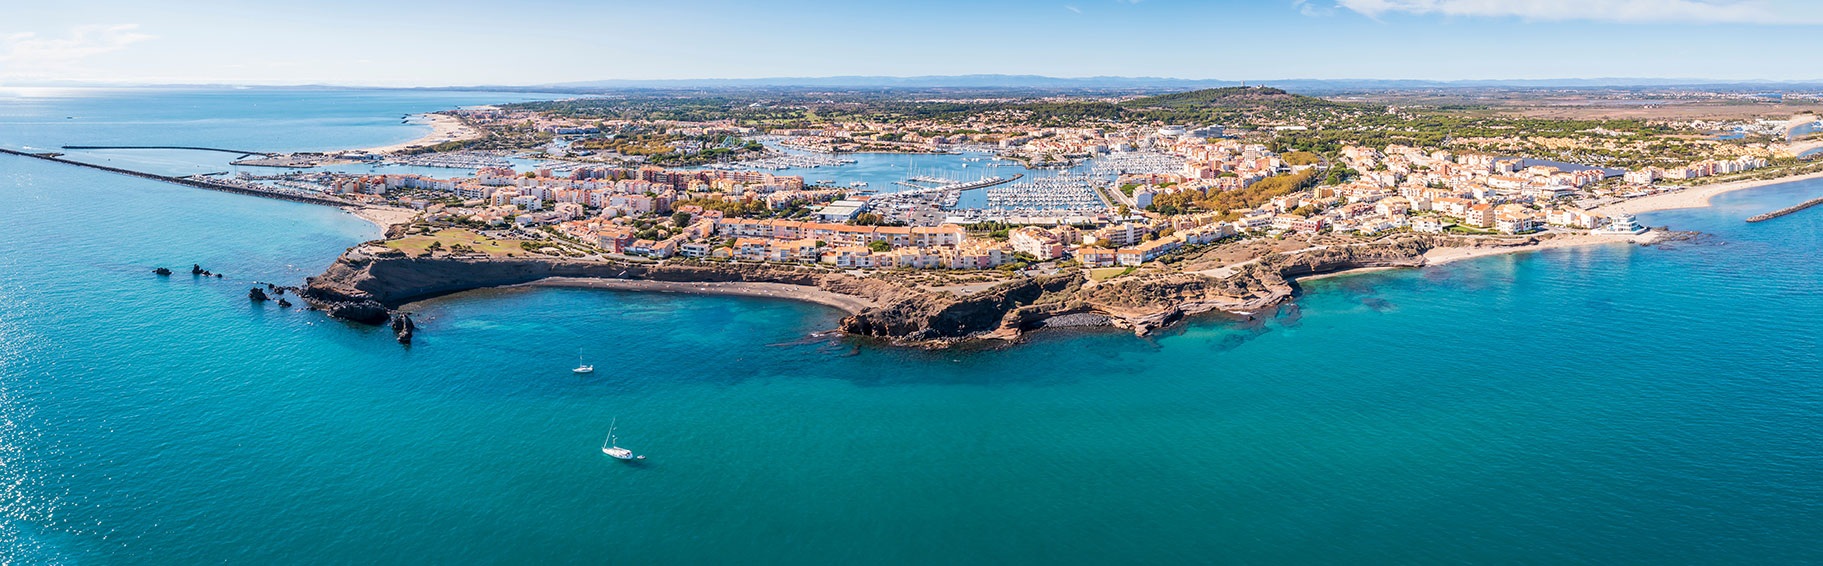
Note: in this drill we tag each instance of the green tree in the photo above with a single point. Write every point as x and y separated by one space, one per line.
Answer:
879 246
680 218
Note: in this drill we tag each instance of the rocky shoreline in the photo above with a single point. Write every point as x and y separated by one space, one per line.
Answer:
369 283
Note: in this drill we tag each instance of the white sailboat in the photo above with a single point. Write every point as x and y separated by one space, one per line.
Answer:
582 367
608 447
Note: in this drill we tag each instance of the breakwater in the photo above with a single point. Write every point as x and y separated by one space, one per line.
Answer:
211 185
1787 210
192 148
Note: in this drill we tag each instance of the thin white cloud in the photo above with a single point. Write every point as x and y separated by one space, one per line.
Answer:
26 50
1072 8
1309 9
1787 12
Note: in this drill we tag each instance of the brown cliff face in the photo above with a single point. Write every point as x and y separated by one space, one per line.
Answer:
392 278
925 317
367 282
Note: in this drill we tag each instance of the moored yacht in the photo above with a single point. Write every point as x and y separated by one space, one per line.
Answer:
608 447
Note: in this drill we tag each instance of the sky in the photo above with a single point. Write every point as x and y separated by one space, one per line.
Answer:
532 42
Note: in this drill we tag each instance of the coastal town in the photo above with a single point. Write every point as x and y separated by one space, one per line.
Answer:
1142 194
1137 209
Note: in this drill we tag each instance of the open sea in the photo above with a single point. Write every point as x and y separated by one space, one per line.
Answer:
1614 404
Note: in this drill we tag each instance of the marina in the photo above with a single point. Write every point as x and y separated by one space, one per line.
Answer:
453 160
1136 163
1068 193
784 161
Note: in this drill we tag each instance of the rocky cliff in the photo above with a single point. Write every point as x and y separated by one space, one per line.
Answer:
368 282
385 278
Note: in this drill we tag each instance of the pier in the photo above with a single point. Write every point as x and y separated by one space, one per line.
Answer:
1787 210
215 149
247 189
968 186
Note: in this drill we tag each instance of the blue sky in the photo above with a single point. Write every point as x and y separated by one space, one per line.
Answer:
434 43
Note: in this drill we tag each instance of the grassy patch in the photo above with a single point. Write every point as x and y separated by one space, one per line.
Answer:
418 243
1106 273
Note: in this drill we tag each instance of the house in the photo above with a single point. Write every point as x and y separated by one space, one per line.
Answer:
1479 215
1256 221
752 249
1096 257
1309 225
1452 206
1393 206
1572 217
1036 242
694 249
1147 251
1429 225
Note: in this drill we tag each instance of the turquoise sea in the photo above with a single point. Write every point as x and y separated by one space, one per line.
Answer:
1615 404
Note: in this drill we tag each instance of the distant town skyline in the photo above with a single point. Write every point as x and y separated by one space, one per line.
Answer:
551 41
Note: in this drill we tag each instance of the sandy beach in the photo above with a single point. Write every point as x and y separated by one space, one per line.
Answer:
1440 256
442 128
849 303
1694 197
382 216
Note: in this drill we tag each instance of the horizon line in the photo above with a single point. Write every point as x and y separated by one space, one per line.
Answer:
784 81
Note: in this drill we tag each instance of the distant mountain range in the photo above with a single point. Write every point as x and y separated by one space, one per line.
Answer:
1039 82
1108 82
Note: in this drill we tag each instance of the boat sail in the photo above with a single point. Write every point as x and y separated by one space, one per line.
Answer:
608 447
582 367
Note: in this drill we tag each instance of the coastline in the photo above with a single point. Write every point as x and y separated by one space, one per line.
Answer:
384 217
443 128
1440 256
847 303
1694 197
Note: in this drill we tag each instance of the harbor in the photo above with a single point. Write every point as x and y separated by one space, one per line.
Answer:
1067 193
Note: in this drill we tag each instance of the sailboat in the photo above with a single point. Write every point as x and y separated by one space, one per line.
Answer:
608 447
582 367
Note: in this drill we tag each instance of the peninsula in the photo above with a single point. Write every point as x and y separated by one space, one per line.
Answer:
1132 211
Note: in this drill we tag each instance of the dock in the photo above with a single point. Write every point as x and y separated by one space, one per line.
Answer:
1787 210
965 186
190 182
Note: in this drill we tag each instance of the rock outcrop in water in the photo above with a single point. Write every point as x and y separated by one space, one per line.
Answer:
402 328
367 282
161 271
257 295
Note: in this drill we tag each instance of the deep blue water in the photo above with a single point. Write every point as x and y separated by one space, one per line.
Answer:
1603 404
251 119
